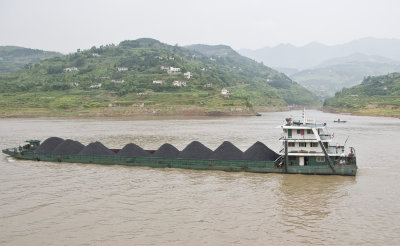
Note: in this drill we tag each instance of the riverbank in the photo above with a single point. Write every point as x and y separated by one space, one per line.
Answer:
128 112
372 110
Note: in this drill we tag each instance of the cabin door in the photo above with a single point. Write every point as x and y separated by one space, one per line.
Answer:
301 161
289 133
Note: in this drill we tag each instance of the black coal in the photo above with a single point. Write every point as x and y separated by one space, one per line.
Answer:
166 151
227 151
132 150
195 150
259 152
68 147
96 148
49 145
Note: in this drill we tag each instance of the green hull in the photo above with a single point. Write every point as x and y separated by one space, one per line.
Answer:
232 166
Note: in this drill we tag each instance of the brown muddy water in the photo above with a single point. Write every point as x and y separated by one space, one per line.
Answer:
81 204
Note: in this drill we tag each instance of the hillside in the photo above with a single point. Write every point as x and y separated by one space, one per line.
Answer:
13 58
146 76
334 74
374 96
310 55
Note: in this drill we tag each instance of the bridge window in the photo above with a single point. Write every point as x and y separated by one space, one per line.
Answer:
302 144
291 144
313 144
320 159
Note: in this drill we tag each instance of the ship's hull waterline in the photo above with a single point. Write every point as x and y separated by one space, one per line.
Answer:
196 164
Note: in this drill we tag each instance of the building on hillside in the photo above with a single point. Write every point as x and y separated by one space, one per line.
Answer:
74 84
104 77
98 85
174 70
208 85
187 75
95 54
179 83
224 92
70 69
122 69
118 81
158 81
164 68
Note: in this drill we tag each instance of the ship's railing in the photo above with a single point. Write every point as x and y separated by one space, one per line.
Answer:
325 136
305 137
346 160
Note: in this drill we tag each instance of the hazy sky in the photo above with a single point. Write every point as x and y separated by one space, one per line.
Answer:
71 24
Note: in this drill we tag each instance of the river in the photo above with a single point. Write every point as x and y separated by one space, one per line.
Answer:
76 204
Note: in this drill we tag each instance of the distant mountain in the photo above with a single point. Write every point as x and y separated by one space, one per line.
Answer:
145 74
305 57
378 95
13 58
332 75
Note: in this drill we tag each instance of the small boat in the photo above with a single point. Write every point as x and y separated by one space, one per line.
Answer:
340 121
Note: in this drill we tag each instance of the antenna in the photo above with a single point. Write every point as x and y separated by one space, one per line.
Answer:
346 140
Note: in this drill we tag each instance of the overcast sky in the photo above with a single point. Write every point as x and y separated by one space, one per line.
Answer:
71 24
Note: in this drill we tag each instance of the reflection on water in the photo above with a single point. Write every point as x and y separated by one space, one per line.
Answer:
75 204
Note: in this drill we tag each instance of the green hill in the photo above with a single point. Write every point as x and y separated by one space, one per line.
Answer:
378 95
138 77
13 58
335 74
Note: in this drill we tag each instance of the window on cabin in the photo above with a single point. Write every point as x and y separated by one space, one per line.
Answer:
302 144
320 159
309 131
313 144
291 144
298 131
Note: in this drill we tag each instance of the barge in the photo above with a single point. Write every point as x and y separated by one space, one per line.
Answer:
306 149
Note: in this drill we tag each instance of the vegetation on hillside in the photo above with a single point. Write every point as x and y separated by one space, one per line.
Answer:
378 95
139 76
335 74
13 58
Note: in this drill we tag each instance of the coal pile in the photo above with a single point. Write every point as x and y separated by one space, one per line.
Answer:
96 148
49 145
227 151
166 151
259 152
68 147
195 150
132 150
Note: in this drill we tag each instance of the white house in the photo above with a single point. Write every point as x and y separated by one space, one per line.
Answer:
75 84
70 69
187 75
179 83
224 92
174 70
121 69
98 85
117 81
158 81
